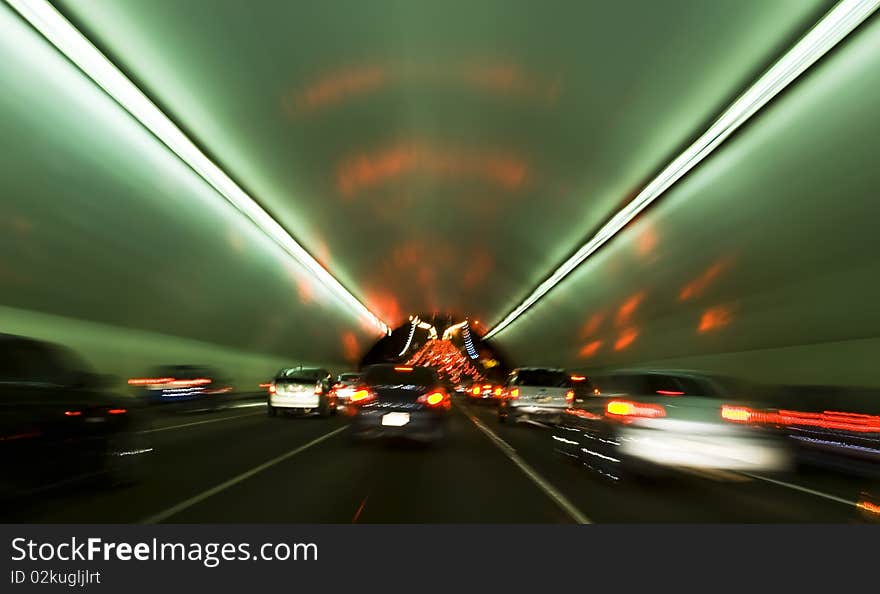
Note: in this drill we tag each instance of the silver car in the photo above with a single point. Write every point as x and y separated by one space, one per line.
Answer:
648 422
535 393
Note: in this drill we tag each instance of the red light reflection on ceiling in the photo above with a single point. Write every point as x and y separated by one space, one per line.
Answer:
590 349
351 350
698 286
369 170
593 324
626 338
502 78
478 268
625 312
714 318
646 241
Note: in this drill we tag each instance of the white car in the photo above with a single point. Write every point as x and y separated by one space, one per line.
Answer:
302 390
346 385
533 393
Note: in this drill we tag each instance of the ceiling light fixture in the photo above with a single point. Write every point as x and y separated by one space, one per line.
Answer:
839 22
79 50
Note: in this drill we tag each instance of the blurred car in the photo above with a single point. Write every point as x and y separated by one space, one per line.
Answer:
645 423
487 392
532 393
833 427
302 390
400 401
182 387
345 386
59 423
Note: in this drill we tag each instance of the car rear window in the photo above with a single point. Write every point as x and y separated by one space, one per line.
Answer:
417 376
300 375
542 377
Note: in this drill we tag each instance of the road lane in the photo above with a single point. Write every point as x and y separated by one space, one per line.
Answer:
467 479
471 478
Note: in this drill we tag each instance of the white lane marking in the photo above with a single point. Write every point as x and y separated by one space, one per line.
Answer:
802 489
194 423
248 405
186 504
549 490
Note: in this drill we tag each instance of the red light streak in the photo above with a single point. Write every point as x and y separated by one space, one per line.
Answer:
626 338
590 348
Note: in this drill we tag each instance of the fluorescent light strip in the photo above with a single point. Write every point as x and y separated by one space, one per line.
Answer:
828 32
64 36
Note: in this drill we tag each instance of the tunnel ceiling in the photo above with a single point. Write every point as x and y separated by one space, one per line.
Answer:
442 155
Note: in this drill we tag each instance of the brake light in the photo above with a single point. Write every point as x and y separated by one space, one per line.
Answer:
272 389
403 368
514 393
146 381
736 414
72 413
117 411
627 408
569 396
578 378
434 399
362 395
476 391
319 389
498 391
670 393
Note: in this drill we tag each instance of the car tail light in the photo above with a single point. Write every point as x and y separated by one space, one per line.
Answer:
117 411
514 393
272 389
362 395
434 399
476 391
404 368
73 413
627 408
319 389
569 396
670 393
498 391
736 414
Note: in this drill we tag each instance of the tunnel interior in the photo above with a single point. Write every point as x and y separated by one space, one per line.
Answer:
476 188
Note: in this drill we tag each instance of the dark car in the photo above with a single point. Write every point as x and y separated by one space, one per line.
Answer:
182 387
401 401
651 422
302 390
58 423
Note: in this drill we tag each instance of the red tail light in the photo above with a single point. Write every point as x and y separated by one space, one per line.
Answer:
627 408
319 389
435 399
117 411
514 393
72 413
272 389
569 396
361 396
476 391
670 393
498 391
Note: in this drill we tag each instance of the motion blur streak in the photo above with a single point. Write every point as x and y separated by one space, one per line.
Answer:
835 26
55 28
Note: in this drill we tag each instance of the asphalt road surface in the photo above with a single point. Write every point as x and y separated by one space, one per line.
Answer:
239 465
